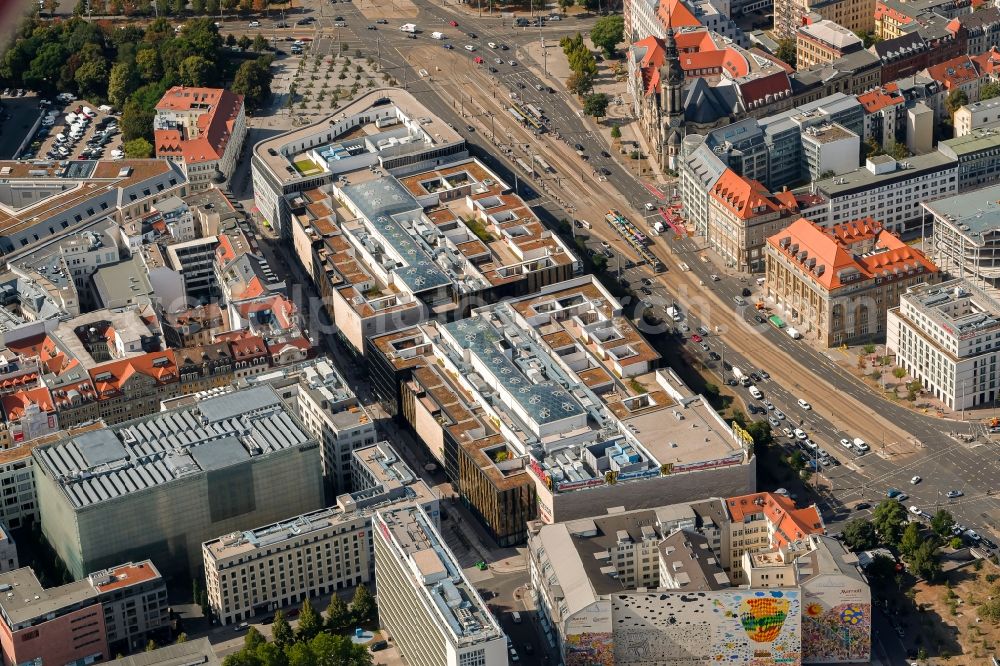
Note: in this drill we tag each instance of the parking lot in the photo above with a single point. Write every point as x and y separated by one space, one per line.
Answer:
101 145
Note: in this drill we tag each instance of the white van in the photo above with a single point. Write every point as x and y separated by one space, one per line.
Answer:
60 138
755 392
859 444
515 617
437 35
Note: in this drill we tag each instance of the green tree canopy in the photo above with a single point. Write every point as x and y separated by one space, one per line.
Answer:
860 534
786 52
260 43
989 91
942 522
889 517
310 622
338 616
956 100
910 540
363 604
607 33
121 82
139 148
925 561
281 631
596 105
253 81
195 71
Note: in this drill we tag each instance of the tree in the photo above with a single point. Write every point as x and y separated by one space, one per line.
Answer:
589 5
259 43
181 638
869 348
860 534
310 622
989 91
198 7
363 604
899 373
579 84
122 81
92 78
340 650
299 654
889 517
253 81
269 654
43 73
138 148
565 4
956 100
177 7
338 615
881 570
230 40
136 121
762 437
599 263
241 658
253 639
942 522
607 33
786 52
163 7
910 540
147 62
616 132
281 631
898 151
596 105
244 42
212 7
925 562
151 645
194 71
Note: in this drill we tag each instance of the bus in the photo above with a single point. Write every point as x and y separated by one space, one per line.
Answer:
776 322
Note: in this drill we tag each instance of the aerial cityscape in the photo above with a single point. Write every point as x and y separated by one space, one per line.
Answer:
488 332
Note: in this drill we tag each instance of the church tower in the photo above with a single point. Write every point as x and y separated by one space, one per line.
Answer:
671 101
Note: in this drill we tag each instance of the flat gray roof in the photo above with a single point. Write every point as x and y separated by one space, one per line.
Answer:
862 179
974 214
143 453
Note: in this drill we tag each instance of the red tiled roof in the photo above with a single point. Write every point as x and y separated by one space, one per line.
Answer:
831 252
703 58
749 198
953 73
243 344
789 523
757 89
988 61
14 404
675 14
160 366
882 12
877 99
219 112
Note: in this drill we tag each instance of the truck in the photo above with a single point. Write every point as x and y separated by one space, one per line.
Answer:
659 227
740 377
776 321
409 27
793 333
674 313
437 35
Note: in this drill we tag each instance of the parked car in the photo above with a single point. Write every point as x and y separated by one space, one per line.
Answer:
952 494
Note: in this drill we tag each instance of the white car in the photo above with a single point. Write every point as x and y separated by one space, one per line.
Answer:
254 24
117 154
915 480
915 510
846 443
800 434
89 112
492 45
804 405
470 47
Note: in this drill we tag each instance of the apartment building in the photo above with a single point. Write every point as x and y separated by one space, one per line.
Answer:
201 129
578 418
984 114
194 261
257 571
885 115
964 244
8 550
978 158
434 615
885 189
947 335
854 15
228 463
823 41
113 610
741 215
836 284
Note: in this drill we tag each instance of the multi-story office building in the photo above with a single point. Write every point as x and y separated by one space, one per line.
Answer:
405 137
836 284
257 571
829 149
433 613
947 335
741 215
886 190
87 621
978 156
42 203
202 129
194 261
667 585
964 243
823 41
229 463
551 405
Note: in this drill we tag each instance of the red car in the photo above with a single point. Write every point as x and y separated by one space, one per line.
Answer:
478 60
695 338
454 24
